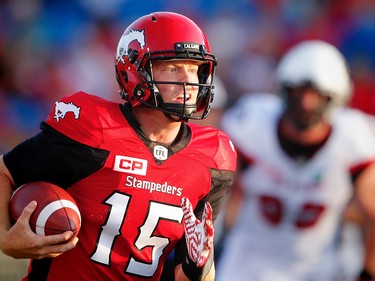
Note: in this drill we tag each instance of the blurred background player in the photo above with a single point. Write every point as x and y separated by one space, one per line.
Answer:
304 158
137 170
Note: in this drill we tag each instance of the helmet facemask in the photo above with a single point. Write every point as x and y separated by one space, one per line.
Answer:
177 111
296 113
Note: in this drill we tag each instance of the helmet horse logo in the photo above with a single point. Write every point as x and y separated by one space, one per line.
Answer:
62 108
126 39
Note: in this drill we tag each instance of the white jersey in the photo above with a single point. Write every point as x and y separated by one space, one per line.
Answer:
290 219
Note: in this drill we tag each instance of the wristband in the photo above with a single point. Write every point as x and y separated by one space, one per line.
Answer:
192 271
365 276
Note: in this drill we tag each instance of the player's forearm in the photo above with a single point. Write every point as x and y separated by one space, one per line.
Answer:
369 259
211 274
365 192
233 206
180 275
5 194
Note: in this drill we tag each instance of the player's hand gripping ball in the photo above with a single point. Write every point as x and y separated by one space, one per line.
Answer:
56 211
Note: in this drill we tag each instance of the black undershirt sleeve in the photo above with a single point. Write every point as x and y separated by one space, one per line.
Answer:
221 181
53 157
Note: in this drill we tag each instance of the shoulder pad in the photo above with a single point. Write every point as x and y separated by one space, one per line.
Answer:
215 144
78 116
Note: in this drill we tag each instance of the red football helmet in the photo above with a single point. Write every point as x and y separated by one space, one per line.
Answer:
163 36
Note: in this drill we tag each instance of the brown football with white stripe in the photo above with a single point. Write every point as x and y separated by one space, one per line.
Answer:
56 211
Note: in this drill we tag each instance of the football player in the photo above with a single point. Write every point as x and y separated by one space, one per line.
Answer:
305 157
145 180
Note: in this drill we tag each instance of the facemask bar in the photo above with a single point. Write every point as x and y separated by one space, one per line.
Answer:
174 111
321 112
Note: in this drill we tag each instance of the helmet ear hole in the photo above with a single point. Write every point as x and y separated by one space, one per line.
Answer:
139 93
133 55
124 76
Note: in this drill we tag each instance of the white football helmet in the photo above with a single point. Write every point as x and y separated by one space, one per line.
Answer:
319 64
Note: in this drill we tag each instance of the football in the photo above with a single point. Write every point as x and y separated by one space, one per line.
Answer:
56 211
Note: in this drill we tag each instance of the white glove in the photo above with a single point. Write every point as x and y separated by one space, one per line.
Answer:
199 235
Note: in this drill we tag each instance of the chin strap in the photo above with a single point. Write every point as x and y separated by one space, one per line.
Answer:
182 112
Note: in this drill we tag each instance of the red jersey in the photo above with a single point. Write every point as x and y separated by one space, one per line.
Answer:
130 205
